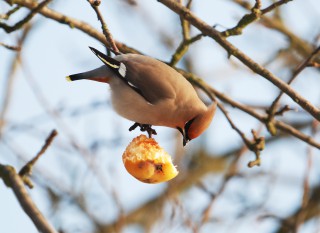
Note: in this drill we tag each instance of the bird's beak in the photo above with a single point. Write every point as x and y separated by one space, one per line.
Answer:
185 141
184 137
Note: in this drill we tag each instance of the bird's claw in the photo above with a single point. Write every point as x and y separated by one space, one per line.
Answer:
144 128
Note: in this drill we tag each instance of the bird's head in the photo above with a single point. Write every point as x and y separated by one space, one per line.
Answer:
197 125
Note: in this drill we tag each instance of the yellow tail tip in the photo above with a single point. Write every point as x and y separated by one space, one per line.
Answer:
68 79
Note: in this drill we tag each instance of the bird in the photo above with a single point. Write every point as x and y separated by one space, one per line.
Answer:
151 93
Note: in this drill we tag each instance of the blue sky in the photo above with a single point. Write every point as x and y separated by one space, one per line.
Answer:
53 51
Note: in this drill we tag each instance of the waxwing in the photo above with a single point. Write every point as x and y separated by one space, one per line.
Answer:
151 93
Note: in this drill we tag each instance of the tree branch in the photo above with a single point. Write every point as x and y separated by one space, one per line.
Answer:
280 125
27 169
14 181
22 22
273 108
232 50
72 23
255 14
95 5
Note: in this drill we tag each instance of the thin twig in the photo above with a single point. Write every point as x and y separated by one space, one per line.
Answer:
27 169
95 5
247 19
22 22
231 172
14 181
72 23
279 124
274 5
7 15
11 47
9 82
273 108
186 40
232 50
256 145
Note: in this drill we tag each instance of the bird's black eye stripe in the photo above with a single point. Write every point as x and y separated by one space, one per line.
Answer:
186 128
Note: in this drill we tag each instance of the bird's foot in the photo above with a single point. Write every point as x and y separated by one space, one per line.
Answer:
143 128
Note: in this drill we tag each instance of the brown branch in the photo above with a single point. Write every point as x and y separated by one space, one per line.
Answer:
72 23
7 15
232 50
11 47
22 22
26 170
14 181
247 19
302 47
231 172
274 5
256 145
273 108
9 82
186 40
95 5
279 124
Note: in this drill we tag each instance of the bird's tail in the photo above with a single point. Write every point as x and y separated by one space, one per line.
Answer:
101 74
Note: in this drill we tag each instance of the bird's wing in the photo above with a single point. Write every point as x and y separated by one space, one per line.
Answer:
152 79
156 80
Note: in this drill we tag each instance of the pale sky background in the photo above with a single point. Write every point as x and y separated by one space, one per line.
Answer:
53 51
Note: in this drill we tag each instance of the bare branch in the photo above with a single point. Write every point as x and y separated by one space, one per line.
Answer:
72 23
273 108
21 23
274 5
232 50
27 169
10 47
9 13
14 181
280 125
95 5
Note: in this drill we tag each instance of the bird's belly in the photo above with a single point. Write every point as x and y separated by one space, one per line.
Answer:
134 107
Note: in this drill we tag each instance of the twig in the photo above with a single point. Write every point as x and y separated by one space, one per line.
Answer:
9 13
274 5
273 108
231 172
280 125
95 5
256 145
232 50
8 87
26 170
14 181
186 40
15 48
22 22
247 19
72 23
183 48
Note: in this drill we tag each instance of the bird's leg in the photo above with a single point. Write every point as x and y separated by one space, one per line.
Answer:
149 130
134 126
143 128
